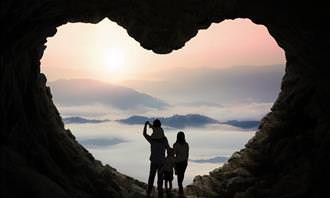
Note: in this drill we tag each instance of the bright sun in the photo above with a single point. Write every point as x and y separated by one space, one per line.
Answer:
114 59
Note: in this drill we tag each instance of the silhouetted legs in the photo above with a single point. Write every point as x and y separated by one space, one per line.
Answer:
153 169
168 177
180 170
168 185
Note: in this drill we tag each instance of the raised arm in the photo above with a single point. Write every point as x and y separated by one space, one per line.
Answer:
146 136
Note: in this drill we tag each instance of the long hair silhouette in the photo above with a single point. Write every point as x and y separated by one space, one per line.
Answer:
180 138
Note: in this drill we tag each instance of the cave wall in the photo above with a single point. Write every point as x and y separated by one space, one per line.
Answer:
288 157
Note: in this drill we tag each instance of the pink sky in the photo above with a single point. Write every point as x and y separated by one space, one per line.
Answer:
105 51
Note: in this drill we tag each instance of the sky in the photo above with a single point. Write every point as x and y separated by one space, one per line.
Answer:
105 52
231 70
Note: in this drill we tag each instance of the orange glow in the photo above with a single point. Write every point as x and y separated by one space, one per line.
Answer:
105 51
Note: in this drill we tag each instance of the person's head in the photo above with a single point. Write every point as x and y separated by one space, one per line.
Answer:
157 131
180 138
170 152
156 123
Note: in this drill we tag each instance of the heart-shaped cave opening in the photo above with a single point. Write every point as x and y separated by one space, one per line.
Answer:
216 89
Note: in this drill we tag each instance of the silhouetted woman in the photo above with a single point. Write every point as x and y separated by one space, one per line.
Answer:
181 149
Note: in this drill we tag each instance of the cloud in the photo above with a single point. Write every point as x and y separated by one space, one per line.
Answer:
83 92
237 93
237 111
215 85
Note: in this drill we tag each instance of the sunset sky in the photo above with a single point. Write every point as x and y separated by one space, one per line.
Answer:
104 51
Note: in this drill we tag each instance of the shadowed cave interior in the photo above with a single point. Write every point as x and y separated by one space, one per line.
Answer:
288 157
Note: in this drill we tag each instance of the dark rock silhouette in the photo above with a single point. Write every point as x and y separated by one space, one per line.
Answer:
288 157
51 163
80 120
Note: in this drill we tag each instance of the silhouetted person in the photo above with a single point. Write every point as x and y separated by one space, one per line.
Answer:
157 130
168 169
181 149
158 143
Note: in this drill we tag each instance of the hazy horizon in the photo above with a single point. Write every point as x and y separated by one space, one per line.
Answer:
222 99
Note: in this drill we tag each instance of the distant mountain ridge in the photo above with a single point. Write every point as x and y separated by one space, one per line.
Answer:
189 120
214 160
77 92
175 121
80 120
248 124
240 83
101 142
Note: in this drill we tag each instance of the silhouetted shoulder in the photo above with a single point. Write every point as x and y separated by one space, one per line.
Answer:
159 140
178 144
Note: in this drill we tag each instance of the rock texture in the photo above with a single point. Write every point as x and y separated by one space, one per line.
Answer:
288 157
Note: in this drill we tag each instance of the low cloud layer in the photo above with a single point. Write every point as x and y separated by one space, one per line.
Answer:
218 86
238 93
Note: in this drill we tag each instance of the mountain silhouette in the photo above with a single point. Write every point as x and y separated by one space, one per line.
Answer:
80 120
189 120
214 160
240 83
101 142
77 92
175 121
248 124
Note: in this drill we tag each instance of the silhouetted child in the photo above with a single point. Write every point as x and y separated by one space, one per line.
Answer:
168 169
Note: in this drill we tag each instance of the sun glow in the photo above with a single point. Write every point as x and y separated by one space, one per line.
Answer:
114 59
105 51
